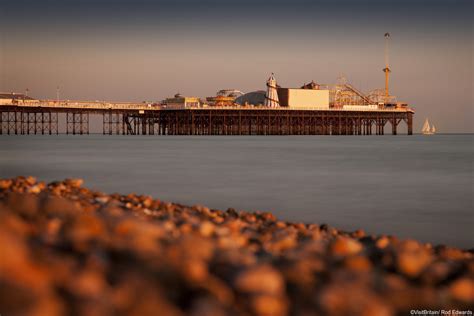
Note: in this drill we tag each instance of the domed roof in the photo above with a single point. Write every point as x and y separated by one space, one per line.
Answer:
255 98
312 85
229 93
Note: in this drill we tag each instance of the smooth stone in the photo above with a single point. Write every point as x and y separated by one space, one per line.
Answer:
345 246
260 279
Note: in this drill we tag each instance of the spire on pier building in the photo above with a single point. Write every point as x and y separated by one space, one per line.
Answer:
271 97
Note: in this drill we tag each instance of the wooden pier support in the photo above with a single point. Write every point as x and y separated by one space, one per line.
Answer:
262 122
28 122
112 123
203 121
77 123
394 121
410 123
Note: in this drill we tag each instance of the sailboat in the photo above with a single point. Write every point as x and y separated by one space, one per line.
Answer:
427 129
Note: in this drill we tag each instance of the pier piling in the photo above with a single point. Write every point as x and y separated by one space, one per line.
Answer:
203 121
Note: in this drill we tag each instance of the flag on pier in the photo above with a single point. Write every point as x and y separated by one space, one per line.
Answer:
271 97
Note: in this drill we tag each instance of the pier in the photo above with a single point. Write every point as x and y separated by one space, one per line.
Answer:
143 119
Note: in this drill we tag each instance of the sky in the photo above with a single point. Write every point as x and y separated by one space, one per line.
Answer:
150 50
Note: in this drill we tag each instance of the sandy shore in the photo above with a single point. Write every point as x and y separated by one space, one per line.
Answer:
67 250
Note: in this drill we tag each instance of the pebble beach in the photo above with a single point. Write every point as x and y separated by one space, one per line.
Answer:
69 250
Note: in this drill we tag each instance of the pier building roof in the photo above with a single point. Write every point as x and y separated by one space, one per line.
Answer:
255 98
180 101
229 93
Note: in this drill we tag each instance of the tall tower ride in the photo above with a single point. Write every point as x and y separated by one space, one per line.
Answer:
386 70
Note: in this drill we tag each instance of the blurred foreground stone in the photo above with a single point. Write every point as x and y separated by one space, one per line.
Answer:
67 250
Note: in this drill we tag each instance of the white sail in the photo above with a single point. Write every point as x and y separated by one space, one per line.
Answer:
426 127
433 129
271 97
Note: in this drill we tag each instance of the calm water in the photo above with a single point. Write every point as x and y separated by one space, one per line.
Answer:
413 187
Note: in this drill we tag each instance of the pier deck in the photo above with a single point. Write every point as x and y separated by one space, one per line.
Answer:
142 119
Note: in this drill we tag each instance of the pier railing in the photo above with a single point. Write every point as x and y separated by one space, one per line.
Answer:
83 105
291 109
97 105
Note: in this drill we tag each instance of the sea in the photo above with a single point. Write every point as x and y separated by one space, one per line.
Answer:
413 187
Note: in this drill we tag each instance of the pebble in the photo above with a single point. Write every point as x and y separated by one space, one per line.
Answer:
453 253
5 184
194 270
102 199
34 189
382 242
260 279
30 180
412 258
463 290
86 228
74 183
358 263
345 246
266 305
207 307
69 250
206 228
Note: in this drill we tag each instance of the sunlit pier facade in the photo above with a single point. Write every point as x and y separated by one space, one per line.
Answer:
44 117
